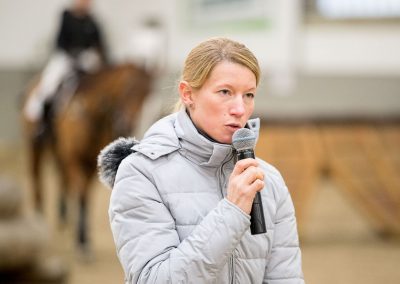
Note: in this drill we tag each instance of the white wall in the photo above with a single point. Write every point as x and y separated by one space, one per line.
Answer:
27 33
348 49
26 29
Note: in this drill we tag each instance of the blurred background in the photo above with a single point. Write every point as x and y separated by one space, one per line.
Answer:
329 100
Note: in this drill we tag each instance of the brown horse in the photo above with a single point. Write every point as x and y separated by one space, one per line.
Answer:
105 106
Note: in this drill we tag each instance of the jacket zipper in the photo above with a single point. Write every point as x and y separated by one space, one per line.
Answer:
221 183
232 270
220 174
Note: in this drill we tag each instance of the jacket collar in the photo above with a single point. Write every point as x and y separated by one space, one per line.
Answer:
177 132
200 149
197 147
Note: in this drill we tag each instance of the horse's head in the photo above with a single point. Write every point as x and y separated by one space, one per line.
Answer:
115 97
135 85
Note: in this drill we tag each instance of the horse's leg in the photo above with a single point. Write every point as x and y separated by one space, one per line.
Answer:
80 182
63 187
62 203
83 226
83 220
36 153
59 163
63 196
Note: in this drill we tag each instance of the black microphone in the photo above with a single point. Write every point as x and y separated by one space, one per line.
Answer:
244 140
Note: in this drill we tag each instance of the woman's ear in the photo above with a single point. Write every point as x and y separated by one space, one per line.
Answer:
186 93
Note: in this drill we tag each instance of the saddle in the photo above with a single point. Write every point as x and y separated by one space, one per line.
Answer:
56 103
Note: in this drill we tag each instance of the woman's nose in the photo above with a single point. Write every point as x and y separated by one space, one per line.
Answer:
238 106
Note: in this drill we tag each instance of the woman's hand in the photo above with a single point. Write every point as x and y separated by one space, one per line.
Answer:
245 181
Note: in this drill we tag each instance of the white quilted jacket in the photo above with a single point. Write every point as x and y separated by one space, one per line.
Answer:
172 224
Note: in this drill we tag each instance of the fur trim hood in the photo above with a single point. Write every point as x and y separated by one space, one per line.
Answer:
111 157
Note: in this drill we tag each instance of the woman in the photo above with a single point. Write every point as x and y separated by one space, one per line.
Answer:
179 208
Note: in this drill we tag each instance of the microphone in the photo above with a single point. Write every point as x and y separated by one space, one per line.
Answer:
244 140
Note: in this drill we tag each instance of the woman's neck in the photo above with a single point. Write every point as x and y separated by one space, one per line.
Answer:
201 132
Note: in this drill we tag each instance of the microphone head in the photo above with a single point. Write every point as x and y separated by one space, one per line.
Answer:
243 139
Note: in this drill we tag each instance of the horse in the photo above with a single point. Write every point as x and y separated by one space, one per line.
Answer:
106 105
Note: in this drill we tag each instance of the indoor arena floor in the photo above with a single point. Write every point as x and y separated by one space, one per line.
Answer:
338 246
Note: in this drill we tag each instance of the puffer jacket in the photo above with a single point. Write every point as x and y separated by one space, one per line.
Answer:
170 219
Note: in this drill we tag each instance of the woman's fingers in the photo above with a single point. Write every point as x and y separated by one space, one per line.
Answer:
242 165
252 173
245 181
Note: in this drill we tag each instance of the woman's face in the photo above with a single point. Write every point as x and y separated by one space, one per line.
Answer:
225 101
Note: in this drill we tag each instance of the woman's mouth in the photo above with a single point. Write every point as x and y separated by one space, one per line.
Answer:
234 126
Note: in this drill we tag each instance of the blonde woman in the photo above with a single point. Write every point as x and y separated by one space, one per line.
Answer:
179 209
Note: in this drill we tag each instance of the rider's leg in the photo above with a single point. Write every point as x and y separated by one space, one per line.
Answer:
59 66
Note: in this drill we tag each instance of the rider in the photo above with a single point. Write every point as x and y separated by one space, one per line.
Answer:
79 48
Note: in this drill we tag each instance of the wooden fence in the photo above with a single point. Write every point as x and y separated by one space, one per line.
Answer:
363 159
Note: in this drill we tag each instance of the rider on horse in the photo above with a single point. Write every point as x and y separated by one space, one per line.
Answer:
79 49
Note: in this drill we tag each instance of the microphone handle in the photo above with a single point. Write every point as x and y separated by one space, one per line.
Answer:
257 220
257 225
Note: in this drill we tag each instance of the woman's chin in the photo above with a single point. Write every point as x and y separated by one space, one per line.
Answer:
227 139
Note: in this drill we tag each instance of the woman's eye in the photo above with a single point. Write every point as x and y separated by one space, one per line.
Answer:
224 92
250 95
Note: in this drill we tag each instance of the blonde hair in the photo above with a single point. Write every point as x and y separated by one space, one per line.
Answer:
204 57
